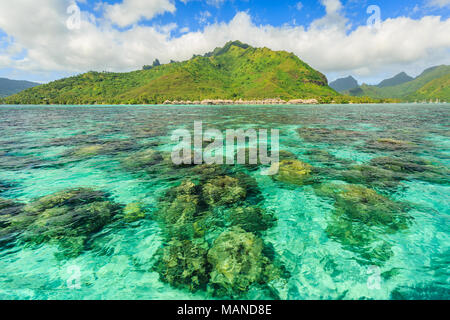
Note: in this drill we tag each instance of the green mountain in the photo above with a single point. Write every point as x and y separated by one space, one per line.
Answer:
235 71
396 80
9 87
344 84
436 89
431 84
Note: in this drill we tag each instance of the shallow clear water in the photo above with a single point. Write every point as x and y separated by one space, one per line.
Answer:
37 159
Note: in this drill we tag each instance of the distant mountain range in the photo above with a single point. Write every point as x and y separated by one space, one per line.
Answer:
344 84
9 87
400 78
432 84
235 71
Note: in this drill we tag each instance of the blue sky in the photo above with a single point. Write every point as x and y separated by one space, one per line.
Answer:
280 12
120 35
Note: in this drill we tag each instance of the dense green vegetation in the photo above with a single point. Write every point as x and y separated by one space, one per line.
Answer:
232 72
436 89
235 71
432 84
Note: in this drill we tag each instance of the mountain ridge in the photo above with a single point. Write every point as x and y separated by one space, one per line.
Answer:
9 86
398 79
431 84
235 71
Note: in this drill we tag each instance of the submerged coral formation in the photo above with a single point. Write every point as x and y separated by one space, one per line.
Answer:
19 162
67 218
358 217
142 160
387 144
372 176
134 212
251 158
223 191
237 261
107 147
213 235
178 212
330 136
367 206
410 167
294 172
8 210
4 186
251 218
209 171
184 264
387 174
287 155
87 151
325 158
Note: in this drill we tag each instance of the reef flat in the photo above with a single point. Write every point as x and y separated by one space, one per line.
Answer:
92 207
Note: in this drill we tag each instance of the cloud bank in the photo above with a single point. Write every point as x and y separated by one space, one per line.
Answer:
39 41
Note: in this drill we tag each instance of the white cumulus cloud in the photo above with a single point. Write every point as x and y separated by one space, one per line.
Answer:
132 11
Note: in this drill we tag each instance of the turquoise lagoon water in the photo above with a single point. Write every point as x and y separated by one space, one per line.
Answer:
40 155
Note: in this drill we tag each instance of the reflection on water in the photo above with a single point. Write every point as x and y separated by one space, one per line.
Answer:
92 207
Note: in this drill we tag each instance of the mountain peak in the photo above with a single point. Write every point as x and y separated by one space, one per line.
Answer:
400 78
221 50
344 84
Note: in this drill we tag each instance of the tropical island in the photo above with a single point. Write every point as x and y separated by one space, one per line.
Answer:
234 74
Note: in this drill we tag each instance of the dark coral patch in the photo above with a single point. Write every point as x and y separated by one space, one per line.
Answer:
67 218
213 227
360 218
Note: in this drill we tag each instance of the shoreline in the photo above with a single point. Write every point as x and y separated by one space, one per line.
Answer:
240 102
225 104
221 102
